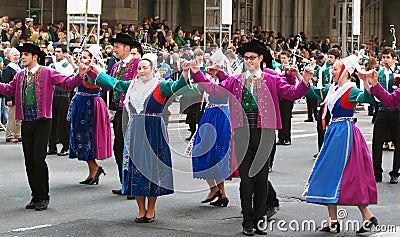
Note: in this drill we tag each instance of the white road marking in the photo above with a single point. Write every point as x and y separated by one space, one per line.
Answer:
30 228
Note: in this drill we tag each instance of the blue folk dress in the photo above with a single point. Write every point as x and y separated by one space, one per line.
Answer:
211 149
147 165
90 131
343 172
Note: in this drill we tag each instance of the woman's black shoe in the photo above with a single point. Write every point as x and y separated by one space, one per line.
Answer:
222 202
332 227
139 219
86 181
218 194
367 226
96 178
149 220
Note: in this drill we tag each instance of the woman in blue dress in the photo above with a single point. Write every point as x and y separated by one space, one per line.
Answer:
343 172
211 149
147 157
90 138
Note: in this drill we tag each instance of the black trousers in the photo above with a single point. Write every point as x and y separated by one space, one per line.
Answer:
35 135
193 116
272 200
118 145
60 128
385 121
286 107
312 108
272 155
251 147
320 130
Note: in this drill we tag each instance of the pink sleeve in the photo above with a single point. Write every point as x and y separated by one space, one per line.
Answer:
387 99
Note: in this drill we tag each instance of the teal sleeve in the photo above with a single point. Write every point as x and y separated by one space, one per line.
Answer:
317 93
359 96
168 88
112 83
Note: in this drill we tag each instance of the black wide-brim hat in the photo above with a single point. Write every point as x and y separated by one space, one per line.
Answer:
31 48
127 40
254 46
259 48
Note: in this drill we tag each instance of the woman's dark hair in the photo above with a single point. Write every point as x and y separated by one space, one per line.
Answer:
148 60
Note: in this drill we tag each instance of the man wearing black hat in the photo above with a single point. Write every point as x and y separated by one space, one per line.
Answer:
33 88
122 70
254 117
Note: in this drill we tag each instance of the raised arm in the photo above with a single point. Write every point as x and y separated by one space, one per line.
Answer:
359 96
317 93
66 82
8 89
387 99
216 90
111 83
290 92
168 88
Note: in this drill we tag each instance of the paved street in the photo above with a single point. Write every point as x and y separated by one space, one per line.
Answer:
83 210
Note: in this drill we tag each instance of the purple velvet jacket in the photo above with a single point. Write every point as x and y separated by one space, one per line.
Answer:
273 87
44 90
387 99
128 75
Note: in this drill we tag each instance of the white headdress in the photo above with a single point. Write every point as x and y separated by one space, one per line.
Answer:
350 64
95 50
151 57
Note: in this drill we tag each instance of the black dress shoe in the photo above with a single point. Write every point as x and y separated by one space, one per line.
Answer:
42 205
334 226
222 202
62 153
271 211
394 179
308 120
287 143
130 197
216 195
367 226
31 205
260 232
86 181
51 152
117 191
315 155
248 231
280 142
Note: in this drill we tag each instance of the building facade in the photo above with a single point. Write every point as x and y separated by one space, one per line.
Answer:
319 19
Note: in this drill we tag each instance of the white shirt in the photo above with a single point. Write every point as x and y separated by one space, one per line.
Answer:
126 60
387 75
257 74
33 70
67 70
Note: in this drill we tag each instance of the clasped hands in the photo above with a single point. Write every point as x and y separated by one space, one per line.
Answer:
307 74
371 76
193 65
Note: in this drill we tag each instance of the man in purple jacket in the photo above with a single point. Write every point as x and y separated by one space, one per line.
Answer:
33 88
255 116
125 70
